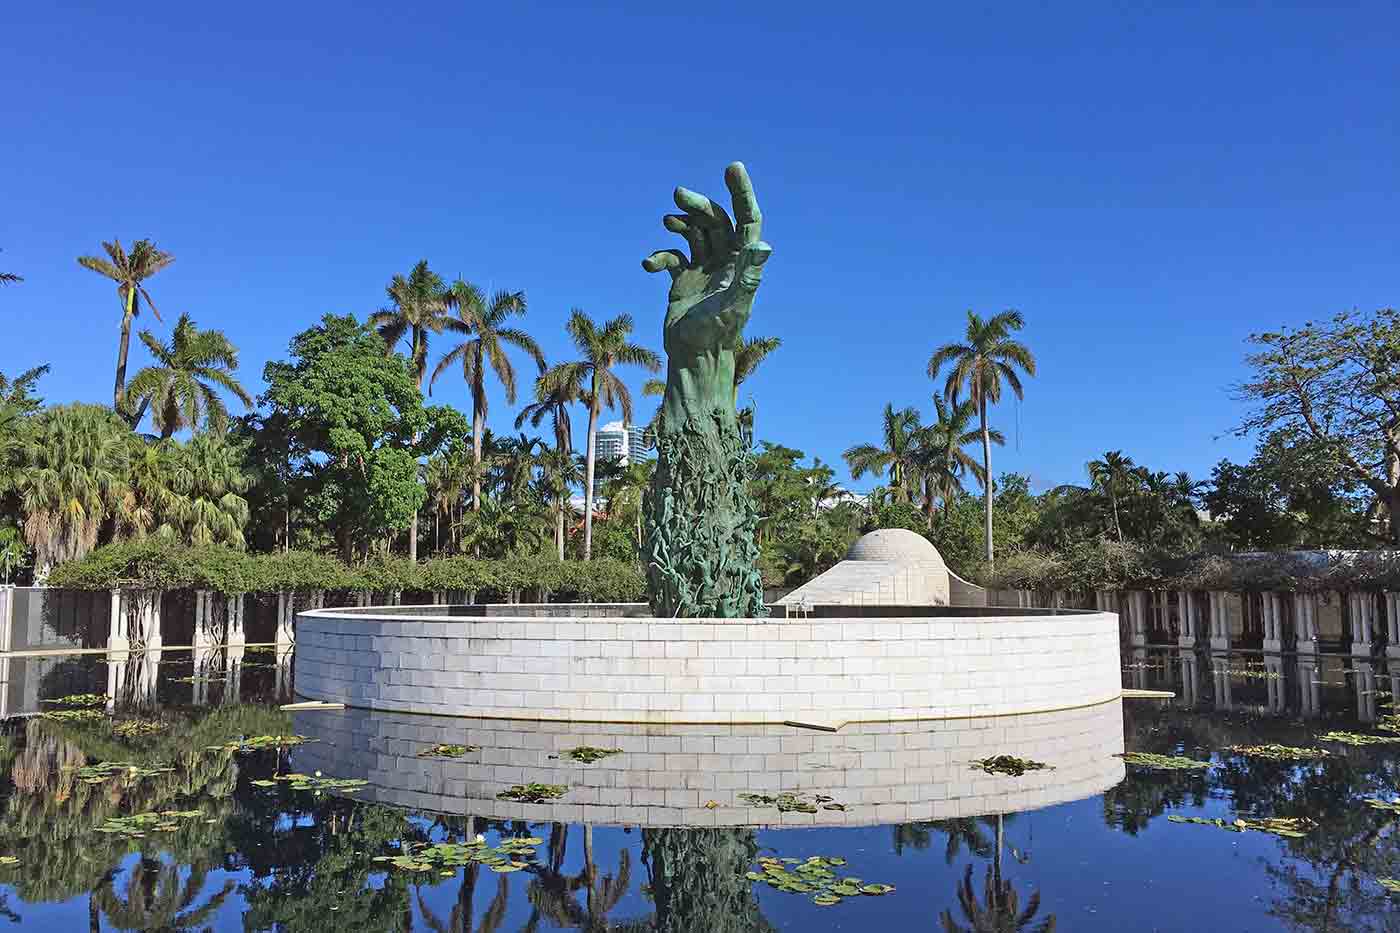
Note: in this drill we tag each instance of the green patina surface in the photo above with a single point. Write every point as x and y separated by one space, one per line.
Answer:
700 547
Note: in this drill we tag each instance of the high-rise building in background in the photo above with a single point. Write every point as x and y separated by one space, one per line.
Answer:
618 440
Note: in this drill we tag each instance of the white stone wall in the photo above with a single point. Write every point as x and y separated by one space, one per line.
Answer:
881 772
719 671
875 583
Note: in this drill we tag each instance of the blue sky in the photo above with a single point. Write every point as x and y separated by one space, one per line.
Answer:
1147 187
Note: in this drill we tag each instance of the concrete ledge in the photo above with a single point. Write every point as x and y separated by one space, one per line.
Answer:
692 775
583 669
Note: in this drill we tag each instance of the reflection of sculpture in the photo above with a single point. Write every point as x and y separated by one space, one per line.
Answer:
701 551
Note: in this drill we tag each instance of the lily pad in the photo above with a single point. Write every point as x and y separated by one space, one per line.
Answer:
814 876
1009 765
1280 752
315 783
1155 762
826 900
1294 827
137 728
1358 739
85 716
258 743
533 792
448 751
78 699
791 802
1392 805
587 754
137 825
106 770
7 860
1390 884
876 889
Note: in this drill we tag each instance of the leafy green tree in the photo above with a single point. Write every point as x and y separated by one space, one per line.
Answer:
129 271
182 387
592 380
482 326
13 553
352 415
72 472
988 357
1337 385
896 455
1113 476
209 482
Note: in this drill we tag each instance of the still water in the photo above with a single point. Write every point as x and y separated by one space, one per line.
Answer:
685 828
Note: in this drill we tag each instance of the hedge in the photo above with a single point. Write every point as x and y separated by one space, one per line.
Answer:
1108 565
160 565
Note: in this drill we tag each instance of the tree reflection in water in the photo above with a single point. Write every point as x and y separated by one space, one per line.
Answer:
698 883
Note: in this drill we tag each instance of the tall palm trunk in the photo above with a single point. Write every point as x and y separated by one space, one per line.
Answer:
987 474
418 380
477 425
588 474
128 315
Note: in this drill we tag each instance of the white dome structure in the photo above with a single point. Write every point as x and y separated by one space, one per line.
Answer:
888 567
897 545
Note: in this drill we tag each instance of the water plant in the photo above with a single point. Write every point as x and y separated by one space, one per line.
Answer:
587 754
1294 827
533 792
792 802
78 699
814 876
448 751
1155 762
314 782
1358 739
1280 752
1377 804
105 770
137 728
258 743
508 856
1009 765
137 825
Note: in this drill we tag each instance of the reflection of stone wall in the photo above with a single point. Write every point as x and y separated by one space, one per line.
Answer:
666 775
683 670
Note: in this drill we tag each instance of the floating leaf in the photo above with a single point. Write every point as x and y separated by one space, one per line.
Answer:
76 716
448 751
877 889
1280 752
1007 764
7 860
1294 827
1391 805
315 783
791 802
533 793
104 770
258 743
136 826
1355 738
1162 762
78 699
1390 884
826 900
587 754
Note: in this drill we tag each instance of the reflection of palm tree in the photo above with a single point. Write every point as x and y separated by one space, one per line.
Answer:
552 892
460 921
1001 911
156 900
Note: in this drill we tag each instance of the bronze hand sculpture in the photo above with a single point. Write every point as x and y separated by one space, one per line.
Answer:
701 552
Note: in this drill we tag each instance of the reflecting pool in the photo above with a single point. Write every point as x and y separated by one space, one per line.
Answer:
169 791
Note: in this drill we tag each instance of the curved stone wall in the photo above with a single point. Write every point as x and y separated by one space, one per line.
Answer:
693 775
823 672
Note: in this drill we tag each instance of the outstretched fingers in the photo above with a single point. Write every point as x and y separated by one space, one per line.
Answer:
746 212
672 260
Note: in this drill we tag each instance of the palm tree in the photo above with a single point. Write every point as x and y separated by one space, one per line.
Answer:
447 484
560 471
987 357
941 456
482 324
896 455
554 403
592 379
72 471
129 271
208 481
419 308
1111 476
9 278
181 387
624 490
749 353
